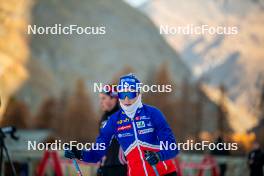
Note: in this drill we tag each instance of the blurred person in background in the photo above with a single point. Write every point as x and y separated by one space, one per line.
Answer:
113 163
256 160
139 129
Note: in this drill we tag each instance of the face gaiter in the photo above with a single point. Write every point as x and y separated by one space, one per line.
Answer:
131 110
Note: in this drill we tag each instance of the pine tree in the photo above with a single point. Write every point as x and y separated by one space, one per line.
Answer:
199 105
223 127
165 101
17 114
260 128
126 70
60 122
80 117
47 114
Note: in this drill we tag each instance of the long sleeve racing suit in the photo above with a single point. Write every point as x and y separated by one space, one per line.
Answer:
142 133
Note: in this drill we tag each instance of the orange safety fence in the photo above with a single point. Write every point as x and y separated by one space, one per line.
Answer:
208 163
57 164
41 170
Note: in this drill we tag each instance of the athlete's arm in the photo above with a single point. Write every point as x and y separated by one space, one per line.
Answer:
106 133
164 134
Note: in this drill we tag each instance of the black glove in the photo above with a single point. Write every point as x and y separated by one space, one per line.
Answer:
100 172
74 153
152 157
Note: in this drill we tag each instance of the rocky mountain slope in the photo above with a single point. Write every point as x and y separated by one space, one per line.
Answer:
235 61
58 61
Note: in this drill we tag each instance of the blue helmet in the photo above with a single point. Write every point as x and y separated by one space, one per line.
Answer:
129 81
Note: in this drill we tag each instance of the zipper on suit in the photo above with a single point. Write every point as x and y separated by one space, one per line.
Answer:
140 153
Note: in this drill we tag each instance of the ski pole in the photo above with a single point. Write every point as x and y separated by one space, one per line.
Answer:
77 168
155 170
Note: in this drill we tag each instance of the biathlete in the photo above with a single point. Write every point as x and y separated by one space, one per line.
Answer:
139 129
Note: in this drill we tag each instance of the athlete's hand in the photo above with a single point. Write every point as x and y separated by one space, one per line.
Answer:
100 172
74 153
152 157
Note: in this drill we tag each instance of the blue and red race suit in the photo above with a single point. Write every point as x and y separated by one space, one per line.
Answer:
142 133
